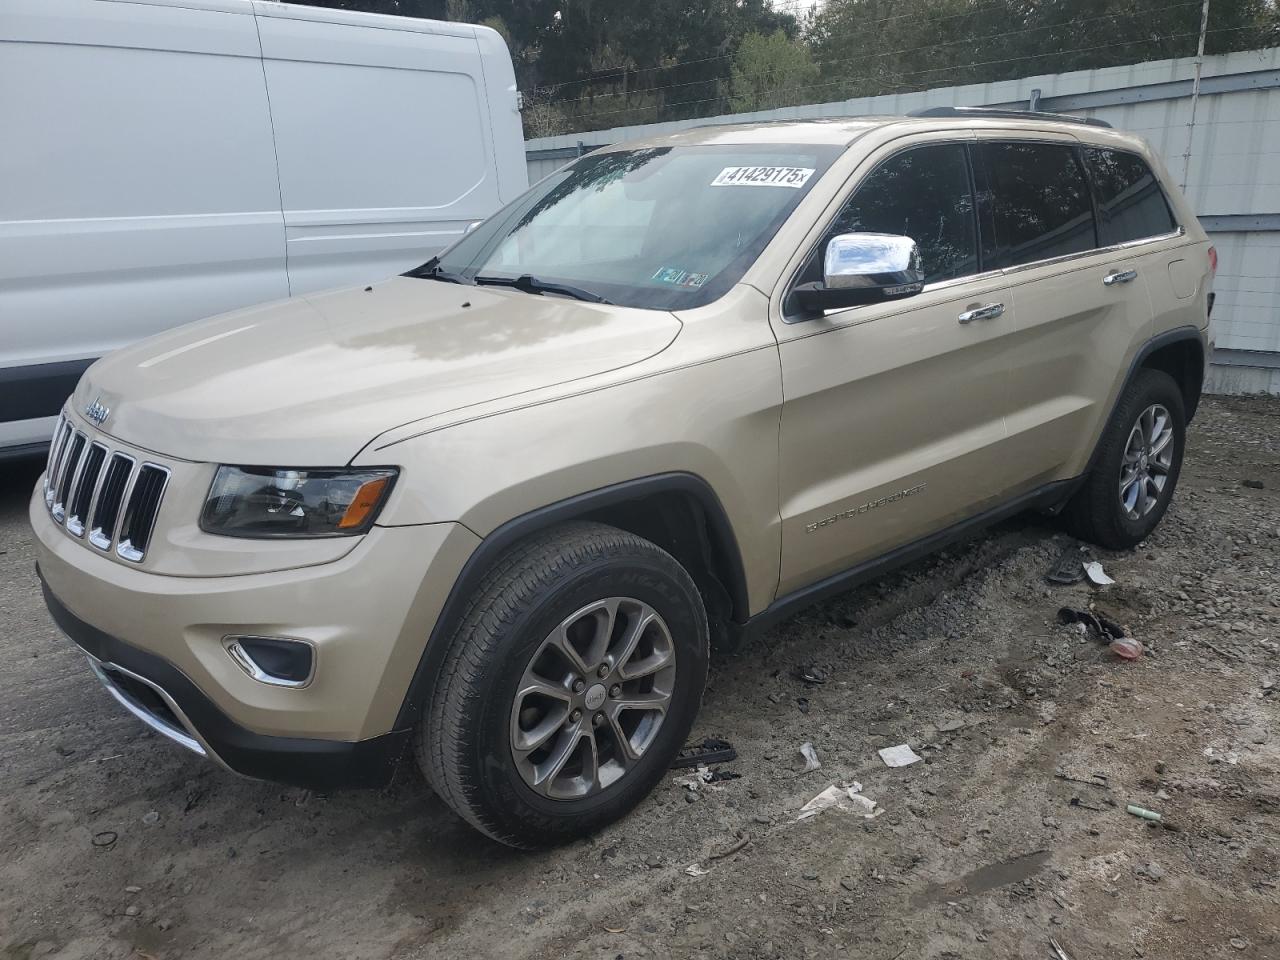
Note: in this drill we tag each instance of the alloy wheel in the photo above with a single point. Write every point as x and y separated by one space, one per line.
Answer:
592 698
1148 458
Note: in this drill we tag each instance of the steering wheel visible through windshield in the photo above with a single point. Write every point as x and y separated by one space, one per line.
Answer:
660 227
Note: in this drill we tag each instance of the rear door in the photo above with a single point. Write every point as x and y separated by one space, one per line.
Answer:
383 139
892 423
1081 307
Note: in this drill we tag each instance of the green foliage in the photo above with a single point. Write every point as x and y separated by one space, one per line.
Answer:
587 64
770 71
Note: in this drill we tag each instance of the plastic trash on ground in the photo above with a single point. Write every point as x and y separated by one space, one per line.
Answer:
1097 576
848 798
811 761
899 756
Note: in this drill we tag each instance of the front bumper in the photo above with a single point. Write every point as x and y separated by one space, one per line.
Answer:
367 615
163 698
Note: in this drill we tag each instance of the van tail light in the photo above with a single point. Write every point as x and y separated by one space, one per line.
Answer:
1213 261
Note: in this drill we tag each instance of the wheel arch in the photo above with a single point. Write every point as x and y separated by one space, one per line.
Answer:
1180 354
678 511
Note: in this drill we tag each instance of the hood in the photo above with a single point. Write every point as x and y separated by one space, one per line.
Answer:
309 381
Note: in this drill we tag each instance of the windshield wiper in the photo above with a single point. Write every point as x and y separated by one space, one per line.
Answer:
531 284
431 271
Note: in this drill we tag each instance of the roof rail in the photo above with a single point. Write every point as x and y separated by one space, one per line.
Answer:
997 113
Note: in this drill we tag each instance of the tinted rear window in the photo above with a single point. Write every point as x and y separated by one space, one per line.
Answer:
1040 201
1131 205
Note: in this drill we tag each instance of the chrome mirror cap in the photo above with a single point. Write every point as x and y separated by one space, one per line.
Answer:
881 260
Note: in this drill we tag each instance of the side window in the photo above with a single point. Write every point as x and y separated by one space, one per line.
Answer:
1131 205
922 193
1040 201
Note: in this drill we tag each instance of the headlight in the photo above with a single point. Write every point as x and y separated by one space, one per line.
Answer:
274 502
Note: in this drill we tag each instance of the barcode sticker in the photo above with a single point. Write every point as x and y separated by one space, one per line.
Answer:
794 177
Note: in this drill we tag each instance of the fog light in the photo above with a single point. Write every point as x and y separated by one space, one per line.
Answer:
277 661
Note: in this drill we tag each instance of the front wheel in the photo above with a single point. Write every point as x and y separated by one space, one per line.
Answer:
1136 470
569 686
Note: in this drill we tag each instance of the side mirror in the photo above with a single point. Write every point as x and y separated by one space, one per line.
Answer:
863 268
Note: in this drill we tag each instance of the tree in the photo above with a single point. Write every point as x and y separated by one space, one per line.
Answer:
770 71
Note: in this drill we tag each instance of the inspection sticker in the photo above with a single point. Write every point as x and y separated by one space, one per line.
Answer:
679 277
794 177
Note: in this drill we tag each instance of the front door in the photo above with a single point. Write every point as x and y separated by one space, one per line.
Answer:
892 422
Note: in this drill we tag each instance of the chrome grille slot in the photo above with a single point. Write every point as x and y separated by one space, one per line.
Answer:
140 514
84 488
61 434
66 473
106 514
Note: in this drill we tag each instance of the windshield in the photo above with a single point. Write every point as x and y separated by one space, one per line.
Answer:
663 227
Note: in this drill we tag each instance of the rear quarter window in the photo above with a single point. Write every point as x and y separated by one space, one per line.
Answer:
1131 204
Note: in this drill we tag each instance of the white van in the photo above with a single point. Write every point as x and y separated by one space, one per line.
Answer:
166 160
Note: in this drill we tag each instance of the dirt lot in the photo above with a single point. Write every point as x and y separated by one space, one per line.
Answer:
1011 831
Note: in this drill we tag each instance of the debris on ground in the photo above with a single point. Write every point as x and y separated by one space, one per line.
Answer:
696 869
900 756
1127 648
1067 569
812 674
694 781
1058 952
1097 576
1106 630
1144 813
810 758
711 750
848 798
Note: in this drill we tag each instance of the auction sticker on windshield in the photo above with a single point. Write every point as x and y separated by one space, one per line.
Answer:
795 177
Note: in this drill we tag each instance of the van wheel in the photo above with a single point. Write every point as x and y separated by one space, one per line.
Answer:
569 686
1137 465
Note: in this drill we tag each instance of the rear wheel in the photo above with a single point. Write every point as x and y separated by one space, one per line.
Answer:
569 686
1136 470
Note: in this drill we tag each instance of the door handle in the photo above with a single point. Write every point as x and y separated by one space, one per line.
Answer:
1120 276
989 312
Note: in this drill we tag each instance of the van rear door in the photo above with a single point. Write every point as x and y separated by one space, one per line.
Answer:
383 139
138 191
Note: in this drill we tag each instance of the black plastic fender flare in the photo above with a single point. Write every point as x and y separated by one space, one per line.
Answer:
421 686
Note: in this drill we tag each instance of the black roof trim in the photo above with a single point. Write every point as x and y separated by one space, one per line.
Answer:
996 113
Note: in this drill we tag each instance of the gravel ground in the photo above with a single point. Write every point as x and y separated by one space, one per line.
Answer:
1011 831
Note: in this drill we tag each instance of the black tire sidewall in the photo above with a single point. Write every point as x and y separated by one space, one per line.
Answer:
1150 387
653 579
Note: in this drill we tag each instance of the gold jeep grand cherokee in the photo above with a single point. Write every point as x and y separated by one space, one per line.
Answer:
493 512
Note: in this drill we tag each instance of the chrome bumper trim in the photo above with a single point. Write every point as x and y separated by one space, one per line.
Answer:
186 735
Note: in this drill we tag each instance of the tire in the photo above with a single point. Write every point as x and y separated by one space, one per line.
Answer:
1097 513
576 586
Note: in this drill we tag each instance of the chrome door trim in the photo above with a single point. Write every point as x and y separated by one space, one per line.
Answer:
1114 248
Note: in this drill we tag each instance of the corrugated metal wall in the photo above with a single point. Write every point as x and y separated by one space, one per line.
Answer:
1232 164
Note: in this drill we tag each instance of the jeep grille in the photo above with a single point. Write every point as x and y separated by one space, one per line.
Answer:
89 487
